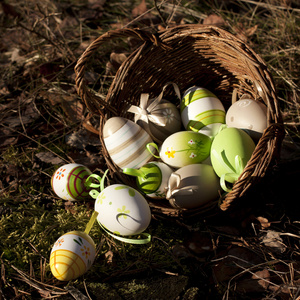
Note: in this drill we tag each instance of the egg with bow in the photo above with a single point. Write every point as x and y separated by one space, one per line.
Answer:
122 210
202 111
69 182
152 178
72 255
231 150
126 143
193 186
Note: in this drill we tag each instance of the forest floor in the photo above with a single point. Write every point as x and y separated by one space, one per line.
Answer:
250 252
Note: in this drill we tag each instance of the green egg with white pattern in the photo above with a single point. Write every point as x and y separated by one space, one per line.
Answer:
201 111
122 210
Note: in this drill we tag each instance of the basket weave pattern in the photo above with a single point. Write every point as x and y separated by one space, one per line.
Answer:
188 55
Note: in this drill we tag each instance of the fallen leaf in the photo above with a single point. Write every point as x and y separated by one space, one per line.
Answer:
272 240
117 59
233 261
140 9
263 222
69 102
214 19
81 139
257 283
49 157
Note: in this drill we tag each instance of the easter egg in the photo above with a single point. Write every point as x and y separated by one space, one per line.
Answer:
163 120
122 210
68 182
249 115
152 178
185 147
126 143
193 186
72 255
230 151
201 111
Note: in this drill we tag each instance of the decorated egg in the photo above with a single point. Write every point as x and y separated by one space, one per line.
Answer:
69 182
230 151
126 143
185 147
202 111
152 179
122 210
72 255
249 115
193 186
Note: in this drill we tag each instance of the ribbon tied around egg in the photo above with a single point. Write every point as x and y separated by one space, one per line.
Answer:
173 188
94 194
233 173
152 110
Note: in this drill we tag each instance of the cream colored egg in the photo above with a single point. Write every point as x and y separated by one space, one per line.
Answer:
193 186
126 143
162 121
249 115
72 255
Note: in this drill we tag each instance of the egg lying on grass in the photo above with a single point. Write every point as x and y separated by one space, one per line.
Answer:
72 255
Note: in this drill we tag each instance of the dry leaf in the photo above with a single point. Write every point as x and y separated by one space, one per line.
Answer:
49 157
259 282
82 138
69 102
263 222
140 9
272 240
214 19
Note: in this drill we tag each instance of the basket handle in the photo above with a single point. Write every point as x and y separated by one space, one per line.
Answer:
91 100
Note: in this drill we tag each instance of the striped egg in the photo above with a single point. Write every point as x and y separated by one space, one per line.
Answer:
202 111
72 255
126 143
68 182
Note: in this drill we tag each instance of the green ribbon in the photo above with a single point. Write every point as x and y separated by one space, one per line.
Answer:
232 174
148 146
94 194
145 240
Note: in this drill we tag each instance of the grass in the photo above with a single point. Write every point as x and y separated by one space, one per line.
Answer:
40 45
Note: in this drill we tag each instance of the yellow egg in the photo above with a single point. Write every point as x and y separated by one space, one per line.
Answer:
72 255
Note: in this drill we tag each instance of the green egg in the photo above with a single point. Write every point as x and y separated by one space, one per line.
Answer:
231 149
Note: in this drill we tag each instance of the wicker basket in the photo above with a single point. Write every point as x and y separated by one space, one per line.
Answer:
188 55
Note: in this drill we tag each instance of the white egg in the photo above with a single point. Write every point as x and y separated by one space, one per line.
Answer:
69 182
122 210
